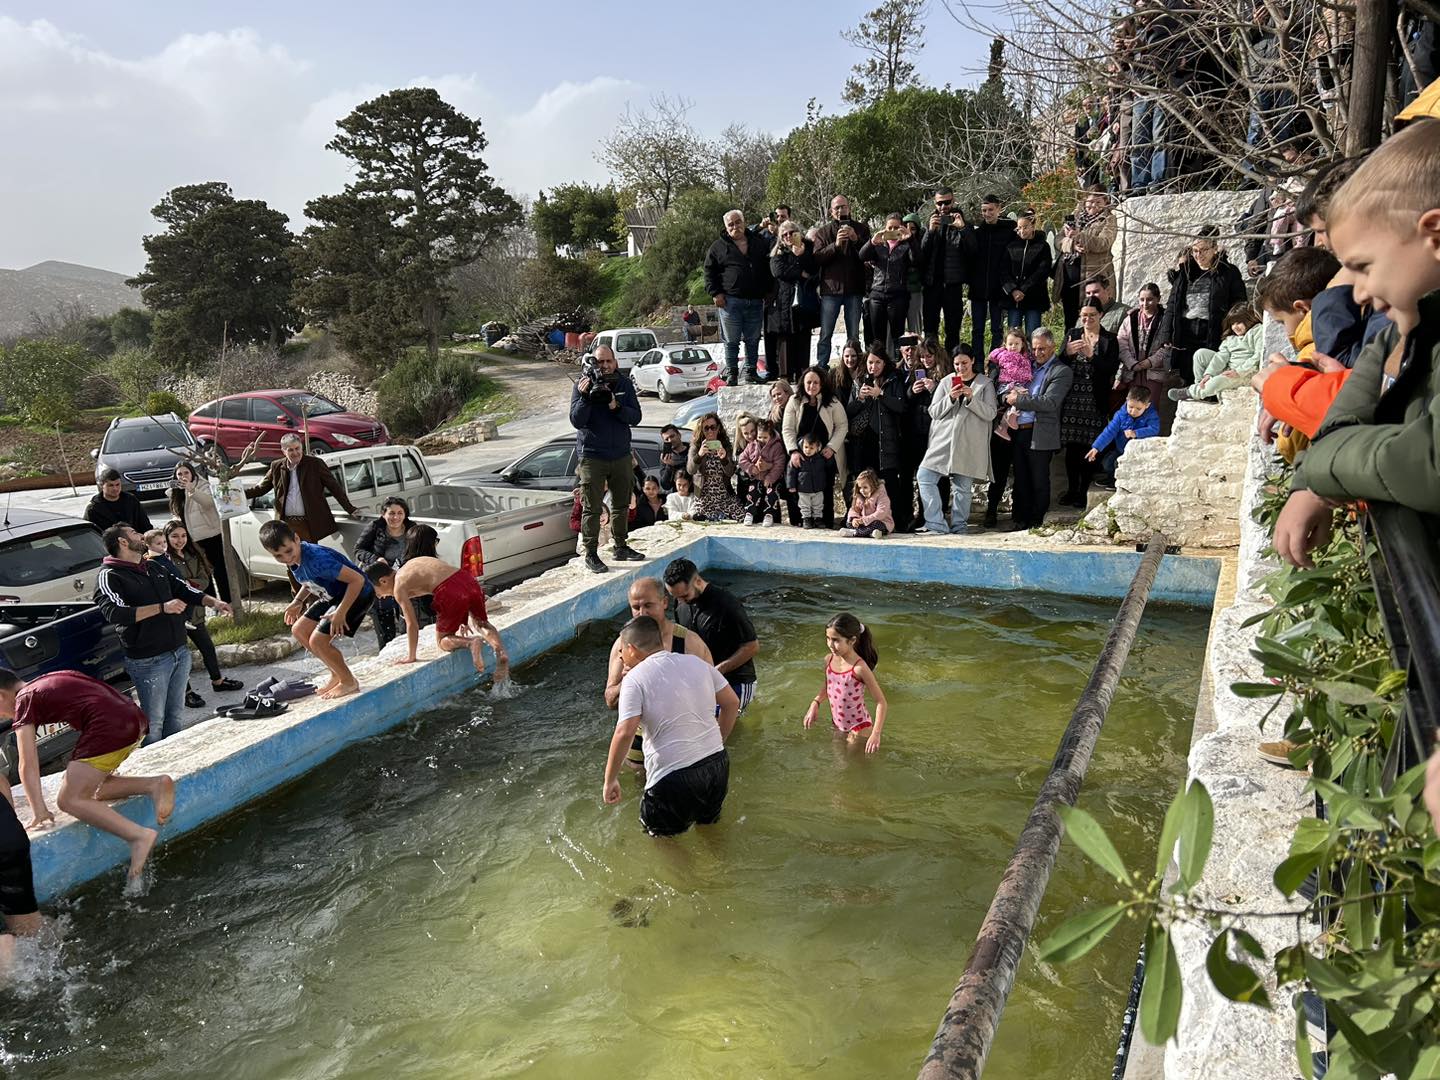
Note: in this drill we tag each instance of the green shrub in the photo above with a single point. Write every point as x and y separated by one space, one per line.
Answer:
160 402
40 378
136 373
417 397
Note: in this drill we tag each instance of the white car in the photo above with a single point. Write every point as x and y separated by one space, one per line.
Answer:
674 370
628 343
47 557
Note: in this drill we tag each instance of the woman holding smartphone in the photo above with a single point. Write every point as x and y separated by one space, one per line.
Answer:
712 464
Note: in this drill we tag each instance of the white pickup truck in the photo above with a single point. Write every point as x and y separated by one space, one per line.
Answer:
507 533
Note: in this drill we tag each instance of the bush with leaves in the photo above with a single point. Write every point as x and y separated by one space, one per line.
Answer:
695 221
40 378
160 402
1374 855
417 396
136 373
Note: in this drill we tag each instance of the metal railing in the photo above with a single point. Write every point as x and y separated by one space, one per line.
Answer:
968 1027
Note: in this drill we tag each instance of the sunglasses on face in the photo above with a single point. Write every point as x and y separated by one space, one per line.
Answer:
709 427
944 202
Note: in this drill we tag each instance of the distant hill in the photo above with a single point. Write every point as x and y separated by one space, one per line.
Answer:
49 285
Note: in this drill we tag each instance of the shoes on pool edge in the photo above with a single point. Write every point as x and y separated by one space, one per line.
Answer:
593 563
625 553
847 532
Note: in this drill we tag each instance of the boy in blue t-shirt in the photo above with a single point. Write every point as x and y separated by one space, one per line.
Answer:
347 596
1136 419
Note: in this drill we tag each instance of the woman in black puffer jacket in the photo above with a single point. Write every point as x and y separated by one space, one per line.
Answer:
892 254
1206 286
877 407
795 310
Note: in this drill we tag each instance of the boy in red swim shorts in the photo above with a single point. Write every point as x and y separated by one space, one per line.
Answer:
459 604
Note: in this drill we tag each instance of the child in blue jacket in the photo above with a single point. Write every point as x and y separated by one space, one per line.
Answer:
1136 419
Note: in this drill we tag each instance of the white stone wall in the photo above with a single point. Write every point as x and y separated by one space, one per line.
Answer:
1187 484
1257 806
1151 229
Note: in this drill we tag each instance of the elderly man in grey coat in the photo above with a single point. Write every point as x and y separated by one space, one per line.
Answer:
962 409
1038 436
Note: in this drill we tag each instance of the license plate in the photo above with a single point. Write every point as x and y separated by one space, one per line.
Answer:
153 485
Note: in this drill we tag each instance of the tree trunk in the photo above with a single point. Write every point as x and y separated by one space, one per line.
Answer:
432 331
1374 22
232 574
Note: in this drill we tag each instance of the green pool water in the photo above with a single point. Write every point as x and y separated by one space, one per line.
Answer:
454 900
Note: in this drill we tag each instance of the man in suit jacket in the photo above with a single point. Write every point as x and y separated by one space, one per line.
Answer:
1038 436
300 481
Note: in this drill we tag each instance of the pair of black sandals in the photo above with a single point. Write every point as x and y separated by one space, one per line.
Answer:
268 699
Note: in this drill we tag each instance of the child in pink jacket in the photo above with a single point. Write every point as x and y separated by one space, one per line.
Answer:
763 460
869 508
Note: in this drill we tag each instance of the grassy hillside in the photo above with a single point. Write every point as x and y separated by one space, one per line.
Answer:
614 274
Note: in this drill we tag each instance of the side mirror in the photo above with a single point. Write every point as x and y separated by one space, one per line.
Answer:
289 421
95 454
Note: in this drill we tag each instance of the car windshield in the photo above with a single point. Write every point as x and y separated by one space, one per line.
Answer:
689 356
316 405
137 438
628 343
33 560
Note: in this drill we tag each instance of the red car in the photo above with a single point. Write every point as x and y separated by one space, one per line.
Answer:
234 421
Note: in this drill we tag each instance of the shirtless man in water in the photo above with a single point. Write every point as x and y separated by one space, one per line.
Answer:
111 728
459 604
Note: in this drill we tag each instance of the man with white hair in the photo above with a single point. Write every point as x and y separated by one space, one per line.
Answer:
300 482
737 277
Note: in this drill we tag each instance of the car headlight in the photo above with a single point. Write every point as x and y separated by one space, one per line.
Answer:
346 440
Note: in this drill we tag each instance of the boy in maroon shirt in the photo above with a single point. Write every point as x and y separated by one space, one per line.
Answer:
111 728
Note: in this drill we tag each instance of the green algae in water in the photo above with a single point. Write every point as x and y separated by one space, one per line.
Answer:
452 899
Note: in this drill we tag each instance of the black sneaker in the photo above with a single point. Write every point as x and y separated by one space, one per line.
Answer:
627 554
593 563
992 519
193 700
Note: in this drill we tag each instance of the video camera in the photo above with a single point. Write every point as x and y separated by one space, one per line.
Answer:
601 390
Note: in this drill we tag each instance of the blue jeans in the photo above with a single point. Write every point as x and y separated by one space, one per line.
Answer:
982 311
161 682
829 315
1148 126
741 320
1029 319
960 488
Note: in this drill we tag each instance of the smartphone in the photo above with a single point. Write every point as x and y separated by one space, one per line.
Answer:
714 444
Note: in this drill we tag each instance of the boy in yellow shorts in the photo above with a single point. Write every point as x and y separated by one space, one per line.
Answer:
111 728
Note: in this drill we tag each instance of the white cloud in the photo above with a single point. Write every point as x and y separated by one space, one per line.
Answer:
104 137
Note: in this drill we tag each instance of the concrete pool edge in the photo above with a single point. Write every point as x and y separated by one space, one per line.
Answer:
221 766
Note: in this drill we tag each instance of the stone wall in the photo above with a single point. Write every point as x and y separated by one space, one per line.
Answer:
1153 228
735 400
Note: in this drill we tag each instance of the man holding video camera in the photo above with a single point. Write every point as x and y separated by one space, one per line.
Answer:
603 409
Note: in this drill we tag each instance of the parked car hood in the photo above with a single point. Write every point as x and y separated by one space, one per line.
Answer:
345 421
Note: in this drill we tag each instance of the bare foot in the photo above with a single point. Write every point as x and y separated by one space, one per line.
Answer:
477 655
324 691
344 689
140 851
164 797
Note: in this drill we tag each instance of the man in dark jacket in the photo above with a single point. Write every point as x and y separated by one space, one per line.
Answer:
946 251
147 603
111 506
844 278
603 409
988 270
1029 264
737 277
300 481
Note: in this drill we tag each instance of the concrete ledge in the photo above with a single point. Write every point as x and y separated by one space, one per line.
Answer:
220 765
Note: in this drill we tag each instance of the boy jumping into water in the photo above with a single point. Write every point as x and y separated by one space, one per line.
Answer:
459 603
111 728
347 597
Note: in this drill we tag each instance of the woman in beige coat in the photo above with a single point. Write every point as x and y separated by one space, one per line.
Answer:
192 504
962 411
815 410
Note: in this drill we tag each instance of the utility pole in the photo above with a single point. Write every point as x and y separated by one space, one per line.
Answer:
1369 75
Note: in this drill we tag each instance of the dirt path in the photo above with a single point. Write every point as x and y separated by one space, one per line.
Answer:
538 386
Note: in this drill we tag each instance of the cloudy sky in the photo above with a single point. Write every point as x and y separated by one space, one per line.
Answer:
104 107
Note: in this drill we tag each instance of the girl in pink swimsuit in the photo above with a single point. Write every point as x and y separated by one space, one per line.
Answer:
849 674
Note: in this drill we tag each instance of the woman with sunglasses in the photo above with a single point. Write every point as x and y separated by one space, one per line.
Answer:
712 464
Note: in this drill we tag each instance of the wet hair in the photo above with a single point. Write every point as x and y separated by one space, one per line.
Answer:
852 629
421 542
1315 199
378 571
643 633
680 570
1300 274
1244 313
1398 181
192 548
275 533
9 680
114 539
1138 394
107 475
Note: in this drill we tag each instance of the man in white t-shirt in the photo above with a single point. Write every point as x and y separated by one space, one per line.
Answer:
685 709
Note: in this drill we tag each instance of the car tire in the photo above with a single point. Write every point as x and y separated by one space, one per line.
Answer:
320 446
206 444
664 394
